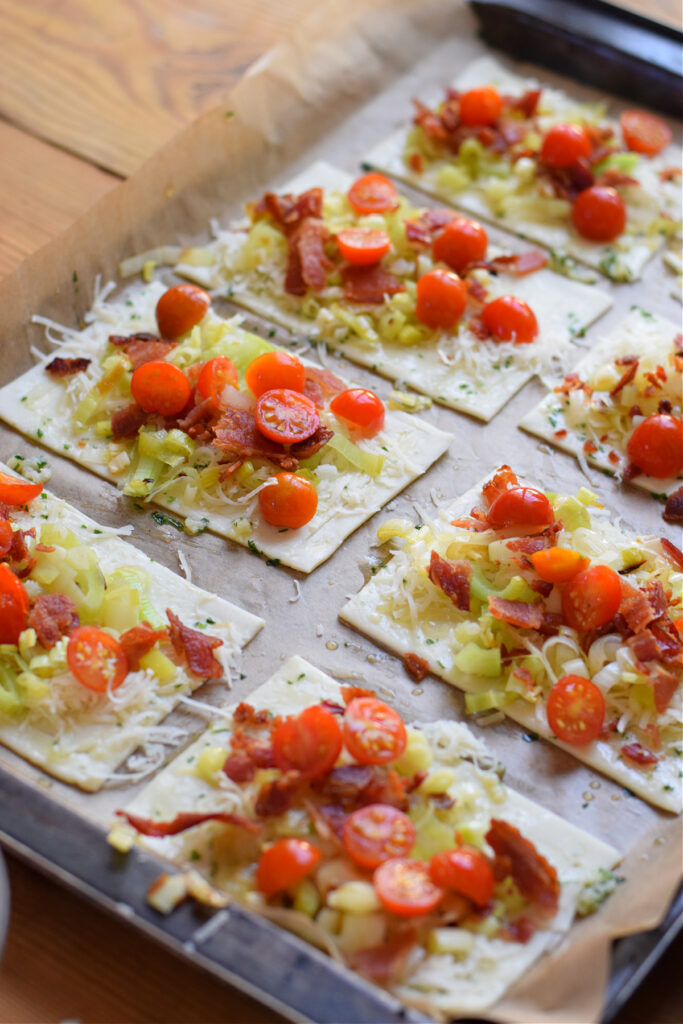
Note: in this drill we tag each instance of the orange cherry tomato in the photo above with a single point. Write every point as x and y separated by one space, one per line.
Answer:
161 387
564 144
656 446
510 319
15 491
373 732
360 409
309 743
373 193
405 888
645 133
599 213
96 659
576 710
363 246
180 309
288 501
558 565
465 870
520 506
678 624
275 370
284 864
592 598
462 241
377 832
286 416
215 376
6 537
13 606
482 105
441 299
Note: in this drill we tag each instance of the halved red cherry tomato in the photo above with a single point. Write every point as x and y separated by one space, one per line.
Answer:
284 864
465 870
645 133
288 500
275 370
96 659
405 888
520 506
462 241
656 446
360 409
599 213
510 319
377 832
286 416
215 376
441 299
309 743
15 491
363 246
6 537
13 606
160 387
576 710
373 193
558 565
180 309
373 732
564 144
482 105
592 598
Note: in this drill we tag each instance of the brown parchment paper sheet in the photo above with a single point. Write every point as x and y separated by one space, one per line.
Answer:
343 81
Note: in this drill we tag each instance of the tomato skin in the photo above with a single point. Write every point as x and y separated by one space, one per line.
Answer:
216 375
373 732
376 833
564 144
161 387
465 870
510 319
575 710
288 501
656 446
363 246
520 506
644 133
275 370
284 864
404 887
361 410
14 606
180 309
373 193
15 491
599 213
309 743
96 659
6 537
558 565
441 299
462 241
482 105
592 598
286 416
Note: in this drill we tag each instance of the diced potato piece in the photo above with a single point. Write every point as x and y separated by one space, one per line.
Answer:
354 898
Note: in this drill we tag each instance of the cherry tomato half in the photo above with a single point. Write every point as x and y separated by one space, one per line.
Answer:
286 416
558 565
13 606
377 832
656 446
284 864
360 409
363 246
592 598
288 500
520 506
462 241
15 491
510 319
405 888
576 710
645 133
482 105
160 387
180 309
275 370
373 193
465 870
373 732
96 659
599 213
309 743
215 376
441 299
564 144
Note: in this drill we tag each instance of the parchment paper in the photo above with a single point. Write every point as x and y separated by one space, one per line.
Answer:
343 81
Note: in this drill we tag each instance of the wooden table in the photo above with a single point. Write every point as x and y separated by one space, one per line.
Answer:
88 90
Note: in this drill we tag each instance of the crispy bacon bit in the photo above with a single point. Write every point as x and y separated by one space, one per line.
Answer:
288 210
127 422
389 788
235 434
543 587
312 444
345 784
387 963
139 641
644 645
185 820
527 103
369 284
416 667
567 182
195 648
141 352
477 292
668 638
416 162
246 714
517 613
321 385
308 264
333 707
590 447
520 264
664 685
535 878
453 578
350 693
673 510
614 457
654 591
200 413
52 616
239 767
60 367
639 755
422 230
275 797
328 820
530 545
674 554
635 607
524 675
502 480
19 555
519 930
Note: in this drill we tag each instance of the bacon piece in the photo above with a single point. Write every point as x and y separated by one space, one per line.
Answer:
669 173
519 930
369 285
195 648
416 667
127 422
527 103
387 963
239 767
308 264
329 820
631 363
612 178
333 707
635 607
530 545
422 230
389 788
321 385
19 555
477 292
668 638
288 210
572 382
276 797
52 616
121 340
543 587
674 554
139 641
673 510
453 578
345 784
567 182
664 685
140 352
639 755
312 444
430 123
524 675
200 413
535 878
246 714
654 591
185 820
350 693
517 613
644 645
521 263
235 434
60 367
502 480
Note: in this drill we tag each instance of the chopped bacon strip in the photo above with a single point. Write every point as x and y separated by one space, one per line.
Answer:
369 284
288 210
139 641
524 675
235 434
572 382
644 645
543 587
308 264
239 767
520 264
674 554
329 820
195 648
19 555
385 964
52 616
246 714
527 103
654 591
519 930
567 182
453 578
530 545
422 230
535 878
477 292
631 364
664 685
668 638
345 784
389 788
60 367
612 177
142 348
350 693
127 422
517 613
639 755
502 480
276 797
635 607
200 413
416 667
321 385
185 820
673 510
312 444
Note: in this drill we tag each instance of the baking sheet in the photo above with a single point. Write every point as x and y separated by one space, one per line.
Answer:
344 80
